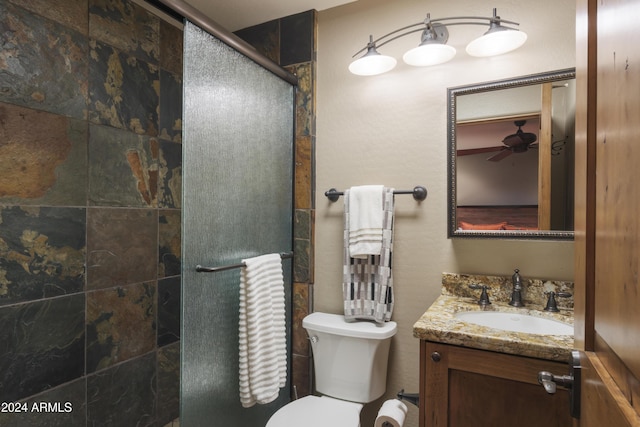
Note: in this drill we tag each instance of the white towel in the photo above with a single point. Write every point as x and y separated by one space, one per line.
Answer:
262 331
367 283
365 220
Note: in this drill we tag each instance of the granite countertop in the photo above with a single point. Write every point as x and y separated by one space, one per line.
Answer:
439 323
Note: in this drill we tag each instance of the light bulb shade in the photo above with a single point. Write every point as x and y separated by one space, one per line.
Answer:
372 63
496 41
429 54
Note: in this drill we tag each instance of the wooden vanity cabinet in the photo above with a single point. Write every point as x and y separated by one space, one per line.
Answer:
465 387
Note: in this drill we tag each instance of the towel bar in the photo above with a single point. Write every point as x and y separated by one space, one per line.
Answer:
419 193
201 269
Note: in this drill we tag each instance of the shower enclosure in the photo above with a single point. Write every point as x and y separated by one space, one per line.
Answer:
237 203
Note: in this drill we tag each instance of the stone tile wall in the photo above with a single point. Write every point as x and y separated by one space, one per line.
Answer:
90 199
90 124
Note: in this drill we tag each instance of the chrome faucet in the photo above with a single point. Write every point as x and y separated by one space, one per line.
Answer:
516 293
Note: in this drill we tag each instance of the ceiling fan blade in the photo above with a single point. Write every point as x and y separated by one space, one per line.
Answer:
500 156
471 151
520 137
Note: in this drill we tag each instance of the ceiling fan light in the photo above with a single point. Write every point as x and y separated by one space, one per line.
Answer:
429 54
496 41
372 63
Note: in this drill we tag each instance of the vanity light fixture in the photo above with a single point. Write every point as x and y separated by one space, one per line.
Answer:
433 49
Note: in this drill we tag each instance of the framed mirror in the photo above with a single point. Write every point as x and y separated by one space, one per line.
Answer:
511 146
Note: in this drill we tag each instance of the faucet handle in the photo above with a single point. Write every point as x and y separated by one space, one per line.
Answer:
516 279
552 306
484 297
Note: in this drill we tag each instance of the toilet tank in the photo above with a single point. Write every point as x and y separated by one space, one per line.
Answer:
350 358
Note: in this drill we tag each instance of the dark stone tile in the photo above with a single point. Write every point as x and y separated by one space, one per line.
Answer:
170 106
265 38
305 106
301 374
168 383
312 245
123 90
169 239
66 407
120 324
43 158
42 252
302 224
170 191
72 14
122 247
168 311
303 172
124 395
45 64
171 48
300 343
41 345
123 168
126 26
301 250
296 38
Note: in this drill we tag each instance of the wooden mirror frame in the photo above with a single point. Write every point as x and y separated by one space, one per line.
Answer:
452 94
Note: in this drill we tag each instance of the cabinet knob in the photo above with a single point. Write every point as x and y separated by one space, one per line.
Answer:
435 356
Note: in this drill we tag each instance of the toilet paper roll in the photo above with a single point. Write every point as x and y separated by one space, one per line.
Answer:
391 414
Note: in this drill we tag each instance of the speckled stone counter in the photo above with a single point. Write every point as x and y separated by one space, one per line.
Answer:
439 323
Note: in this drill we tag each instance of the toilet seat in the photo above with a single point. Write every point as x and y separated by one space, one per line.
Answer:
314 411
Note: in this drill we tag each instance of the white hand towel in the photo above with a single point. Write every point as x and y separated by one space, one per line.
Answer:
262 330
365 220
367 283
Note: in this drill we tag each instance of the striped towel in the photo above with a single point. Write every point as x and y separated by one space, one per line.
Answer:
262 331
367 284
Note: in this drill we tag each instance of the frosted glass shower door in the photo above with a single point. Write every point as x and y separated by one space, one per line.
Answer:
237 203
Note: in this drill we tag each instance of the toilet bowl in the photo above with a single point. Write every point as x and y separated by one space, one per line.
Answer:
314 411
350 363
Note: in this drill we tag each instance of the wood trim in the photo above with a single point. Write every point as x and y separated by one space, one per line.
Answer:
436 387
422 408
622 377
585 176
423 383
544 160
500 119
603 404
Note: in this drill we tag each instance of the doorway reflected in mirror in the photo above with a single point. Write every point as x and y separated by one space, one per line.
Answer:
511 157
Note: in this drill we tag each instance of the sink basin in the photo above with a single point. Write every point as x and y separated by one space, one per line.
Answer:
515 322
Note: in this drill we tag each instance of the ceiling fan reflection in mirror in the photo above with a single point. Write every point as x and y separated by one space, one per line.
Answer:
518 142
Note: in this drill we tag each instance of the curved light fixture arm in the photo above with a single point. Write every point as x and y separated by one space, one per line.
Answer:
494 19
473 23
374 43
428 24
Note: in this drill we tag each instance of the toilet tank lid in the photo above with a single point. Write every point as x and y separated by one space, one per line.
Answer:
338 325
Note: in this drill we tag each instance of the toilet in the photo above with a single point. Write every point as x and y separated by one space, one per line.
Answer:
350 362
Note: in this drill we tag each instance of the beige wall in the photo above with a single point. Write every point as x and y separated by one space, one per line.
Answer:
390 129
